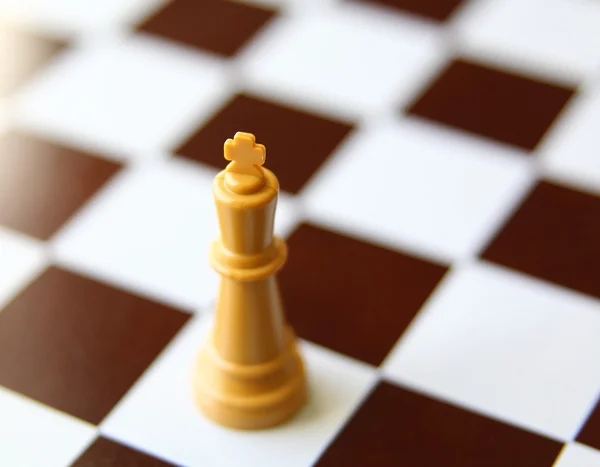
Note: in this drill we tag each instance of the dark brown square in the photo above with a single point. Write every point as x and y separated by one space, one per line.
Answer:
22 54
297 142
42 183
353 297
217 26
590 432
106 453
439 10
396 427
553 236
492 103
78 345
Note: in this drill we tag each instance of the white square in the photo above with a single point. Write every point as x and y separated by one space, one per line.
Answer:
133 96
551 37
343 59
21 258
570 152
32 434
506 345
74 17
578 455
4 117
410 185
158 414
150 230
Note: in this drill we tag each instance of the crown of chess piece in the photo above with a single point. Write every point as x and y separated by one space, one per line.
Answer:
249 374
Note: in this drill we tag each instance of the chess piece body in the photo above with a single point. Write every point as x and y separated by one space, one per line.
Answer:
249 374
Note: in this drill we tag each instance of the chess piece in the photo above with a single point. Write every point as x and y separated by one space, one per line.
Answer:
249 374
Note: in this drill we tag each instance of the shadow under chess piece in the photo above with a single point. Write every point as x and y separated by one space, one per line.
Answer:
249 374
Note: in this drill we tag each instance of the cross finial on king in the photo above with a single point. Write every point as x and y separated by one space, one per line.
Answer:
245 155
244 174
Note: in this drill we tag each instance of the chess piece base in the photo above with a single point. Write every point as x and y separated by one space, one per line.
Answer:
250 397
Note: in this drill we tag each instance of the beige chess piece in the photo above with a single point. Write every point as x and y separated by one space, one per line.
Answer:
249 374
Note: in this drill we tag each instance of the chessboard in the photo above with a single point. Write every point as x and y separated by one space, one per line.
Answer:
440 198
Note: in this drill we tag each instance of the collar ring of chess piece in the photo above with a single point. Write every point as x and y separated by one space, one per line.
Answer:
244 174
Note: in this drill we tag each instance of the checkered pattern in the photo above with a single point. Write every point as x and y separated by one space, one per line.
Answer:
440 198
